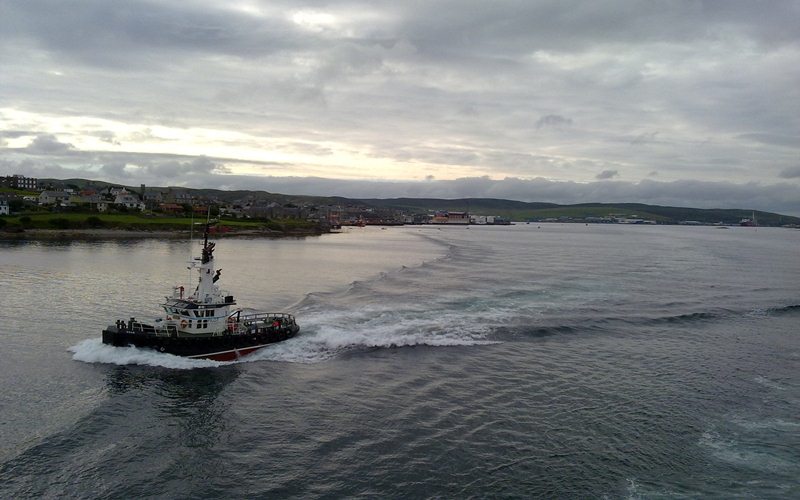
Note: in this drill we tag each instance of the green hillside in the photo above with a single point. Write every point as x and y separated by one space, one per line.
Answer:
514 210
218 194
517 210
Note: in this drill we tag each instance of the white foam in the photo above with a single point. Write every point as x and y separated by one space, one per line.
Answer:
772 424
745 454
324 336
633 492
769 383
94 351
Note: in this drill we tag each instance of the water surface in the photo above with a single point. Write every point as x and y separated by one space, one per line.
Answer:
521 361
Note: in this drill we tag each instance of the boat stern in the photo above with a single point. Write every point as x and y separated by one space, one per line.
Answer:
111 336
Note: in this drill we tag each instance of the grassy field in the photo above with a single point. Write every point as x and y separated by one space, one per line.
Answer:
139 222
17 192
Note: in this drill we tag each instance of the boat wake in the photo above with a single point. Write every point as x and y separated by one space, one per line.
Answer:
333 327
94 351
325 335
325 339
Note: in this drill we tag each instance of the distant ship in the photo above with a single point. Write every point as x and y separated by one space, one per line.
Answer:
751 222
442 217
202 325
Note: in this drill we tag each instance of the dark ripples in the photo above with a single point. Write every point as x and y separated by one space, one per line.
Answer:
562 363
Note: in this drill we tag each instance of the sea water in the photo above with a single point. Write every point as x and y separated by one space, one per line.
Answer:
519 361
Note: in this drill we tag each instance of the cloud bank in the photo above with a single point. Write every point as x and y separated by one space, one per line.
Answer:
206 173
385 94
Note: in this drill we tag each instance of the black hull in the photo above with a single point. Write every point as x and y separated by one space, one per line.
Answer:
220 348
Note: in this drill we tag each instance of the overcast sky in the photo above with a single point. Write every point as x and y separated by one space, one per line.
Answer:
682 102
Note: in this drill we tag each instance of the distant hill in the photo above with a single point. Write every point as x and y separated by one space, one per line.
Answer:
219 194
487 206
518 210
514 210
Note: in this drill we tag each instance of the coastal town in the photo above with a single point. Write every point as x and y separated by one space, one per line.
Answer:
31 203
28 195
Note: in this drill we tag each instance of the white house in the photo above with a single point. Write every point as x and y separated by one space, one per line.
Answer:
128 200
53 197
4 207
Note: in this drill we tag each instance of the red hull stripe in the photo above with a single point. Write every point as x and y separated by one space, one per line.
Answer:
231 355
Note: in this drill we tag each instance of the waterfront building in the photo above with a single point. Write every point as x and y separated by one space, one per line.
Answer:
20 182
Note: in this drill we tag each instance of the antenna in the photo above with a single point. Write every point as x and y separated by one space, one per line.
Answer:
191 244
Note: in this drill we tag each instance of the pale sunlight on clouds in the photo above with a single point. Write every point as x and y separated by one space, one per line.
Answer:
702 92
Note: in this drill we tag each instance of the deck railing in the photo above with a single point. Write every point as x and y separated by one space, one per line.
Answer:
243 322
236 324
165 331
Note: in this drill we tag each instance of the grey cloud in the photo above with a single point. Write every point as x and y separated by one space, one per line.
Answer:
106 136
160 169
643 138
781 198
790 173
553 121
37 169
544 25
201 165
14 134
457 84
209 173
773 139
98 32
116 171
48 144
89 28
606 174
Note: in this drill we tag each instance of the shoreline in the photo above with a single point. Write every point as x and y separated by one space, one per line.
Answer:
100 234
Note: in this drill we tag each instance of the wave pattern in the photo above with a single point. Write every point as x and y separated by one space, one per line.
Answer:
562 362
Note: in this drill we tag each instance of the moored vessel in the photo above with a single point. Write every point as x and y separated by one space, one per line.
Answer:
751 222
204 324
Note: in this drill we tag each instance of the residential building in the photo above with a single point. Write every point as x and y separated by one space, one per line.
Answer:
450 218
177 196
20 182
171 208
53 197
152 198
78 200
128 200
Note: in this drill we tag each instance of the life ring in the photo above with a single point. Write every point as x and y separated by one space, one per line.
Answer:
184 323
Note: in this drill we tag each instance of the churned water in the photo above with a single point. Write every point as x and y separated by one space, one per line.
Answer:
561 361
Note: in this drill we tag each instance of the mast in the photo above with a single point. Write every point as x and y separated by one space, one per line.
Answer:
207 291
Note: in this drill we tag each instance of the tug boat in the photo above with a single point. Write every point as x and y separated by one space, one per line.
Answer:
203 324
